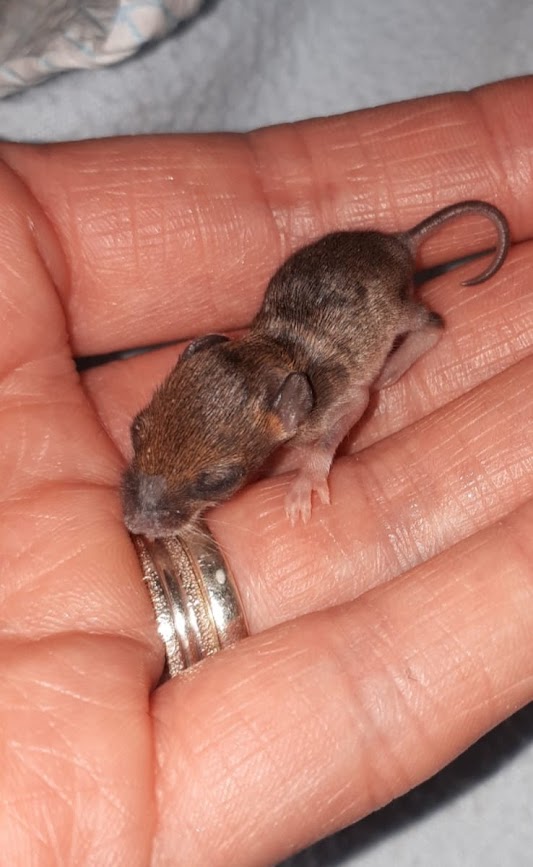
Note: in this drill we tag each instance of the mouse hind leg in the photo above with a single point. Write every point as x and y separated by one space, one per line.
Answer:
422 329
313 459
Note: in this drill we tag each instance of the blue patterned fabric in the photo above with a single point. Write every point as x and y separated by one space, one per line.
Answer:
40 39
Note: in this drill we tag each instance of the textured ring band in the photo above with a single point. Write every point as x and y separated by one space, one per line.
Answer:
196 604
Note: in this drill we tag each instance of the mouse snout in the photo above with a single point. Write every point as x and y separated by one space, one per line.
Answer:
145 506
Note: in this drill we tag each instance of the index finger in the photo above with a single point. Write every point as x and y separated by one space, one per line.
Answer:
166 237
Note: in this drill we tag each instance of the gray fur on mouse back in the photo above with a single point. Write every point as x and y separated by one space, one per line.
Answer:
339 317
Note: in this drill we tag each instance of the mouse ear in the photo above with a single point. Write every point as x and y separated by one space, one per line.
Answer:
293 402
202 343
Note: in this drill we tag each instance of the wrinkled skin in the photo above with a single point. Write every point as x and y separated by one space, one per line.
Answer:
427 543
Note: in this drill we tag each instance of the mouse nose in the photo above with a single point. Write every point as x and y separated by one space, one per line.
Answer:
150 490
143 502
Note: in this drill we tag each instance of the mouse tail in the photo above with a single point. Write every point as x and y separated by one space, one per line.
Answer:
475 206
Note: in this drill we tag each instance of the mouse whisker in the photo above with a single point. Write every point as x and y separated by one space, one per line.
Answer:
218 522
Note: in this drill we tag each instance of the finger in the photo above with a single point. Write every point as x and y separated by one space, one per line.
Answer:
310 726
78 653
77 750
486 331
172 236
67 562
395 504
39 383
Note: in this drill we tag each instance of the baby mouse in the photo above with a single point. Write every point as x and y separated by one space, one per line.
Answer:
338 318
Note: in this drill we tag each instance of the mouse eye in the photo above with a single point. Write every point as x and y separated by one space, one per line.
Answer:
138 431
218 481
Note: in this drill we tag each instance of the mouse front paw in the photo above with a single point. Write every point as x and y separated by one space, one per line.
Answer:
298 500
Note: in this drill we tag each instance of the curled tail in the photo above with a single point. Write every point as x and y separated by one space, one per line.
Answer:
475 206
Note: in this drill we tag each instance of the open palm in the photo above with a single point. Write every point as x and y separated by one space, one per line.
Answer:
354 686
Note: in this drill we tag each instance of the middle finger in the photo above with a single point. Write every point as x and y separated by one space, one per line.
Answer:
395 504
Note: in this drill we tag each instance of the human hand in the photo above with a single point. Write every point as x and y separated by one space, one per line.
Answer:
389 633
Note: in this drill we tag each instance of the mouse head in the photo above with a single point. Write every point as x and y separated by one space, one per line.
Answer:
208 428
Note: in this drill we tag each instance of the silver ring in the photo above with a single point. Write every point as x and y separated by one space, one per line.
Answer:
197 607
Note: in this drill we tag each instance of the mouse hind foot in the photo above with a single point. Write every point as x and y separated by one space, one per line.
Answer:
423 330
